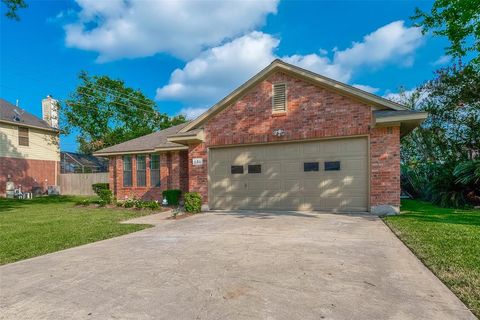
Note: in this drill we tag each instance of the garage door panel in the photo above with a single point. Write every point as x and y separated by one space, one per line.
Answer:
283 184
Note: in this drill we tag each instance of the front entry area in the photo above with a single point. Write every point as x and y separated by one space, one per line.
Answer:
325 175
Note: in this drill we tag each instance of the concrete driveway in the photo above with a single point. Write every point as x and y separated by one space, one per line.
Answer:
239 265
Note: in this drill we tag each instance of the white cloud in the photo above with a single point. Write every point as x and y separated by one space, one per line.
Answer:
217 71
441 60
192 112
366 88
391 43
401 96
407 97
135 28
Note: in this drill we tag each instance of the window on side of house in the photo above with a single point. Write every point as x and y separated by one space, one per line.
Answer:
279 98
141 170
23 139
127 171
155 170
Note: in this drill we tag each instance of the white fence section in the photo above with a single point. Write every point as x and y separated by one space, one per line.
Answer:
81 183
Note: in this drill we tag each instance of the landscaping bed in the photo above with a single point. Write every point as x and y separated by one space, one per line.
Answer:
42 225
447 241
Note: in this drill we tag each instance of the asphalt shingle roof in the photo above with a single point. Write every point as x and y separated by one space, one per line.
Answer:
26 119
148 142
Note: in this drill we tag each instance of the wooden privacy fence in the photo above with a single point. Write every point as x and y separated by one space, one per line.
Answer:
81 183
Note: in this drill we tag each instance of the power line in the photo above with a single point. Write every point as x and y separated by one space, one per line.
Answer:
43 71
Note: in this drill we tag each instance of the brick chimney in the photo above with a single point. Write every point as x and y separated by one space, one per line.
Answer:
50 111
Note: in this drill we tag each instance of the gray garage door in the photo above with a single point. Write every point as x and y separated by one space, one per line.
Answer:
329 175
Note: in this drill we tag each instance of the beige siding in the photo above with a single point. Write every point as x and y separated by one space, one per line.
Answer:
41 144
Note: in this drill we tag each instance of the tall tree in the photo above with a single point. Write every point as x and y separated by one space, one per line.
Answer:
105 112
12 8
440 159
458 20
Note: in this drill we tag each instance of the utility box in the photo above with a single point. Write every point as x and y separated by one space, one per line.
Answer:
10 189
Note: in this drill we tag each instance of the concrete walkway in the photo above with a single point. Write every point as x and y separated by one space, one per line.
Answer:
240 265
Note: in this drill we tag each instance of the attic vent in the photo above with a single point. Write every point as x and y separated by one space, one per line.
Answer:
279 99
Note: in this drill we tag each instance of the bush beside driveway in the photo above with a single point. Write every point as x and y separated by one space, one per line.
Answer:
447 241
42 225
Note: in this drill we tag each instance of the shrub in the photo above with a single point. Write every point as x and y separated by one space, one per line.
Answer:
97 187
101 203
193 202
83 203
152 205
128 203
172 196
106 195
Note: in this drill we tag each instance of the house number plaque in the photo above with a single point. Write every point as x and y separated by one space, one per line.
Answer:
197 161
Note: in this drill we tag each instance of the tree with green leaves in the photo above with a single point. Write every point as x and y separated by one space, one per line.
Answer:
12 8
458 20
440 159
106 112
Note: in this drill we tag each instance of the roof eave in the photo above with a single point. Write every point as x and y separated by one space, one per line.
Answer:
101 153
197 137
20 124
407 123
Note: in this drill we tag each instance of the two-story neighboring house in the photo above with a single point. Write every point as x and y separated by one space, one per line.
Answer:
29 147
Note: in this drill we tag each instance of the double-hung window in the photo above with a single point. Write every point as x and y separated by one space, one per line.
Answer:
155 170
141 170
127 171
23 136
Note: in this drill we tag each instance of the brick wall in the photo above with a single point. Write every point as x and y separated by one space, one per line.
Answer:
385 167
28 173
197 174
312 112
171 175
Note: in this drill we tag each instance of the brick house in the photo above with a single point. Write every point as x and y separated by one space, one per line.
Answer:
287 139
29 150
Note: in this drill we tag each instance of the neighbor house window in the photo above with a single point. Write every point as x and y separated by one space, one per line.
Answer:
279 97
310 166
155 170
254 168
23 136
141 171
332 165
127 171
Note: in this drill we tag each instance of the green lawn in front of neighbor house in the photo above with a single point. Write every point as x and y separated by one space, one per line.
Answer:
30 228
447 241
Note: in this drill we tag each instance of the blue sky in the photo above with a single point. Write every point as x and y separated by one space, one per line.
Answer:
188 55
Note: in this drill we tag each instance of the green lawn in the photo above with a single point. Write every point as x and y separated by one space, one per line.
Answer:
447 241
30 228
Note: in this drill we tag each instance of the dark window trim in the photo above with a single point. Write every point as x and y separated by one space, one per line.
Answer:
311 166
332 166
236 169
252 168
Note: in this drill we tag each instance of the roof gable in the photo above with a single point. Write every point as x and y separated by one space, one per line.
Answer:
279 65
